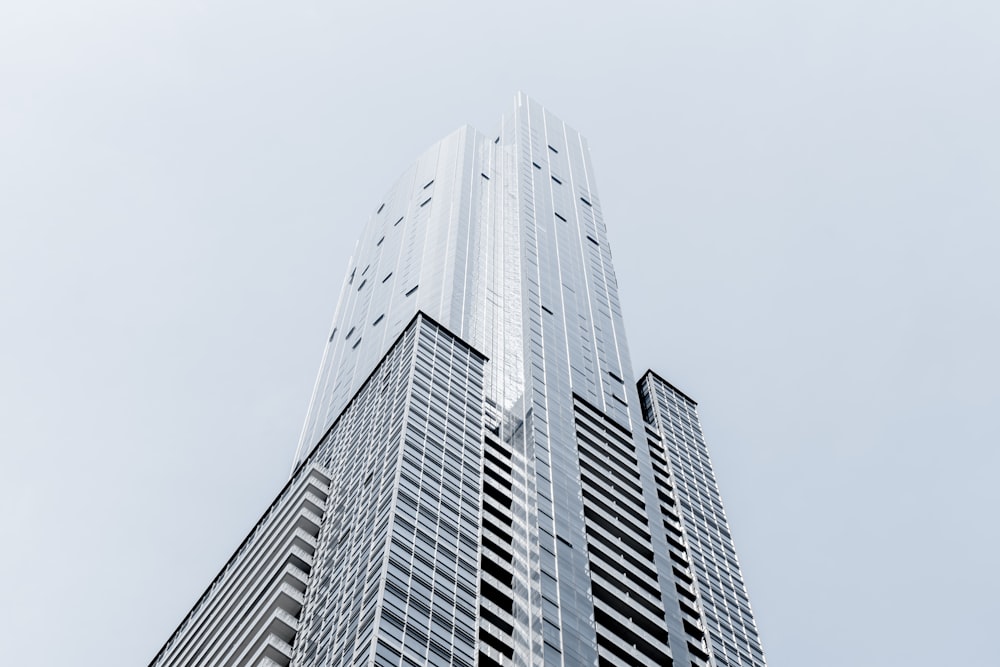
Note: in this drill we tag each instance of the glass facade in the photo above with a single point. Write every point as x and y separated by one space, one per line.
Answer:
500 491
681 449
397 570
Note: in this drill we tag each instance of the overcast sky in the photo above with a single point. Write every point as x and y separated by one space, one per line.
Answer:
802 200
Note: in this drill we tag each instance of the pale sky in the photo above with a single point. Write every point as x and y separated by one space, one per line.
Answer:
803 205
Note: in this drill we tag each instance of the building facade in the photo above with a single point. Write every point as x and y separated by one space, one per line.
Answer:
480 480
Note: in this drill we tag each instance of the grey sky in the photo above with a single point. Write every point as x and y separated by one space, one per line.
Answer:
802 200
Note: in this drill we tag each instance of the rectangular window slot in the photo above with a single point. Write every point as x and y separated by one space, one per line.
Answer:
398 221
584 200
615 377
429 184
332 334
387 276
592 239
380 208
425 202
350 279
349 333
536 165
552 149
356 343
485 176
547 310
362 284
561 218
380 242
378 319
411 290
557 180
366 269
497 140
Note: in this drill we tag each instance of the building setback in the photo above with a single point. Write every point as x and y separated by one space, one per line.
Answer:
480 480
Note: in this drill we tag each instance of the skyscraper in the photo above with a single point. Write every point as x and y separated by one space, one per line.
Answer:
479 480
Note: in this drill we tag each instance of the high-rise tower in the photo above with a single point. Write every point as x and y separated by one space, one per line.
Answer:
479 480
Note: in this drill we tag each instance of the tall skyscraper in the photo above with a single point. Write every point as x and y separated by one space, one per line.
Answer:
480 480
